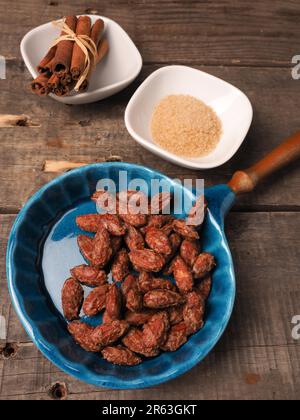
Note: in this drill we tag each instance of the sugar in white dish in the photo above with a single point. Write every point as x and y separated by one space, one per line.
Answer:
185 126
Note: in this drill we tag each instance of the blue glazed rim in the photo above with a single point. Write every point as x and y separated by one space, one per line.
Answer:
222 205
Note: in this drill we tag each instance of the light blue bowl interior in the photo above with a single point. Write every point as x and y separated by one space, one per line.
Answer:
42 248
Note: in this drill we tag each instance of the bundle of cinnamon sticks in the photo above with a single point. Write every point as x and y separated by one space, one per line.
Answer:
65 62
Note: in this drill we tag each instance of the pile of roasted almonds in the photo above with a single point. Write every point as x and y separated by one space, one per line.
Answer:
147 313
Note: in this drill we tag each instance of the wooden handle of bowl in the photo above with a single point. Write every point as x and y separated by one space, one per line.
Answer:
285 153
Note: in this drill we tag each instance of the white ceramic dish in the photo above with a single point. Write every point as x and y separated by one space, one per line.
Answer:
117 70
231 105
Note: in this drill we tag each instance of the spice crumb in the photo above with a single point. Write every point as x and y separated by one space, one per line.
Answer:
185 126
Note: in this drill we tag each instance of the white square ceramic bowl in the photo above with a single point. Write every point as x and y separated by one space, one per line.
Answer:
117 70
231 105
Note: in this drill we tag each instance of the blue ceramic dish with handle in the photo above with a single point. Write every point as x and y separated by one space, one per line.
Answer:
42 248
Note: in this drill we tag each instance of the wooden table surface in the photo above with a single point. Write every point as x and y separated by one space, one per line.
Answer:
247 43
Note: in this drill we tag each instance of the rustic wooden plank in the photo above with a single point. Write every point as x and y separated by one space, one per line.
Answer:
253 239
256 358
14 330
245 373
203 32
96 131
1 374
220 32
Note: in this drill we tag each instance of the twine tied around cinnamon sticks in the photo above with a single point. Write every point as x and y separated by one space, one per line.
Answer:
72 58
85 43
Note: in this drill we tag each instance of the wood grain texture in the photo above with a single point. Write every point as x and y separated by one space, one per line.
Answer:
256 358
246 373
205 32
96 131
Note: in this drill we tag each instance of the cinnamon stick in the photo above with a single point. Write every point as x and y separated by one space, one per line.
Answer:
64 63
61 90
49 67
40 84
97 30
78 57
66 79
95 34
102 50
53 82
43 65
64 50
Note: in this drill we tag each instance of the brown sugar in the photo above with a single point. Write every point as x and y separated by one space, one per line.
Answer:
185 126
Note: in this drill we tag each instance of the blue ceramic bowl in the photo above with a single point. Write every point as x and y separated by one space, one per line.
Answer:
42 248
